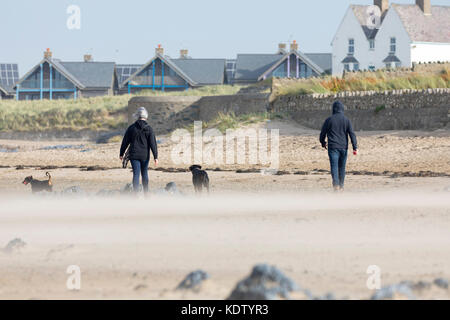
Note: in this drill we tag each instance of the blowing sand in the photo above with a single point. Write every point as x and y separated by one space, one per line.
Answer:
136 248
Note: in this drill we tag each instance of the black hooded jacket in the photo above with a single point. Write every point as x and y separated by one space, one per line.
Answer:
337 128
141 139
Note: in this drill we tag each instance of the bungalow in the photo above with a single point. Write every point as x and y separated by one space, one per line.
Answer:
165 73
55 79
252 68
9 75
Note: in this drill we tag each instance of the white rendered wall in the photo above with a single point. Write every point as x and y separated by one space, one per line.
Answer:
430 52
392 27
349 28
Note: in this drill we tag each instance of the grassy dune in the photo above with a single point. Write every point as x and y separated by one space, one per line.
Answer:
100 113
376 81
109 113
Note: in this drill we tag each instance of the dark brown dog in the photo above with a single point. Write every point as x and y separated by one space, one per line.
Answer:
200 178
38 186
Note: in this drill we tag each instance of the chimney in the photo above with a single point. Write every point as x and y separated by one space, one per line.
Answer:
88 58
184 53
47 54
382 4
425 6
294 46
281 48
159 50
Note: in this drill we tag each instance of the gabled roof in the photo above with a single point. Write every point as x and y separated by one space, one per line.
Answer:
300 55
360 12
349 59
252 66
203 71
425 28
92 74
167 61
323 60
83 75
391 58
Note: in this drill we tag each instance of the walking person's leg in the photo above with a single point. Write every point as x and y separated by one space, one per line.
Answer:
136 165
333 154
341 164
144 173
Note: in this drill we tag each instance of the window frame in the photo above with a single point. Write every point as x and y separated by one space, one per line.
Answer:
351 46
393 45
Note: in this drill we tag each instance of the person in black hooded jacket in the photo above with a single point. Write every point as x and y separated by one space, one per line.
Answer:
337 129
141 139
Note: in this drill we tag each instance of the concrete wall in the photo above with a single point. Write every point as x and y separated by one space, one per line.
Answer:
169 112
396 110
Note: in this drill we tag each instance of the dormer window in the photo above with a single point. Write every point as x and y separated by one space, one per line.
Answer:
372 44
393 46
351 46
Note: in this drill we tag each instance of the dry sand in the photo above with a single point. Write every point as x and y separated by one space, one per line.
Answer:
130 248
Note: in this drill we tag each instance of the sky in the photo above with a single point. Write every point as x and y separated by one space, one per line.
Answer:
129 31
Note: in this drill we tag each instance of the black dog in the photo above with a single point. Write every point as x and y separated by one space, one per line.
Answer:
37 186
200 178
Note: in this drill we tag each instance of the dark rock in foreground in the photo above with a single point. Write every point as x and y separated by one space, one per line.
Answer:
14 245
193 280
266 283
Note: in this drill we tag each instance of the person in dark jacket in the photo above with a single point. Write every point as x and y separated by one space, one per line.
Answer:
337 129
141 139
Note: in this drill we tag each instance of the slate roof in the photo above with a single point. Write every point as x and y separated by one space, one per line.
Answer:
420 27
360 12
350 59
92 74
323 60
195 71
251 66
391 58
425 28
203 71
84 75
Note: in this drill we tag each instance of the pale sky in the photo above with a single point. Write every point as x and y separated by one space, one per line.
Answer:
128 31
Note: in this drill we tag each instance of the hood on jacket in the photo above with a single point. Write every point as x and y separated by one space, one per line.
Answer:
338 107
141 124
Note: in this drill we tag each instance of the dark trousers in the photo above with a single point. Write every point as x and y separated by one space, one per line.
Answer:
140 167
338 159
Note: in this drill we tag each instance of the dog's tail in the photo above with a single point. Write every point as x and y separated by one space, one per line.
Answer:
49 178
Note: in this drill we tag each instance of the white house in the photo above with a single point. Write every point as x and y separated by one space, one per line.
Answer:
403 35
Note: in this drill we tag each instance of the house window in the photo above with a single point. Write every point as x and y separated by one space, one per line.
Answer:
346 67
356 66
398 64
393 47
280 71
351 46
372 44
388 65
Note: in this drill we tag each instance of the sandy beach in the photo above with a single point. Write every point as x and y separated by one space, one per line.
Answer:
395 213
